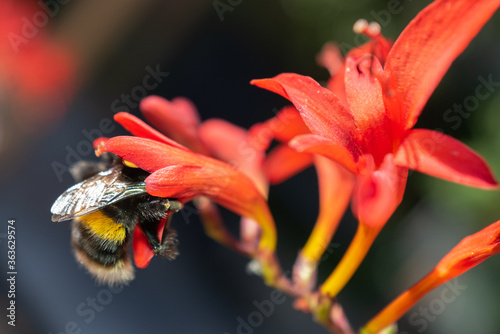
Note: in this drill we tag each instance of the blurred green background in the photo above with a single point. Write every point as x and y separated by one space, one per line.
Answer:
211 50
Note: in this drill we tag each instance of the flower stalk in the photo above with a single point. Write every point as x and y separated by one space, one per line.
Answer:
359 247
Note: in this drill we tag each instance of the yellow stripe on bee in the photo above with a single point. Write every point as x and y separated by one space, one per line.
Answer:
129 164
104 227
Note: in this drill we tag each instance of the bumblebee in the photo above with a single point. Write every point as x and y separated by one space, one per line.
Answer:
106 204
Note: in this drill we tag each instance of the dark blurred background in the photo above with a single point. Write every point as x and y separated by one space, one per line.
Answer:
211 50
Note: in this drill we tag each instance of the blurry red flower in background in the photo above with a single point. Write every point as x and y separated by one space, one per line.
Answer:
35 70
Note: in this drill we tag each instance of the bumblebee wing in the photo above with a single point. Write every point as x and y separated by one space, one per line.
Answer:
94 193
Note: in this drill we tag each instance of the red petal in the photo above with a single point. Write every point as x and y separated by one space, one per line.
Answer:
283 127
365 97
336 84
320 109
439 155
282 163
143 253
470 252
320 145
331 58
178 119
260 136
426 48
152 155
378 193
229 143
226 187
224 140
140 129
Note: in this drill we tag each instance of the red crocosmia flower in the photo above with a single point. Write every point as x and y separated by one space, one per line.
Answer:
179 119
177 172
470 252
335 183
371 133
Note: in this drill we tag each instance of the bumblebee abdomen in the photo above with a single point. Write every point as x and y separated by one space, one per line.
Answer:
100 244
103 227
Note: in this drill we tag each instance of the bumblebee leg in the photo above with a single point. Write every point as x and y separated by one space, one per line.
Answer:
150 230
167 247
151 214
169 241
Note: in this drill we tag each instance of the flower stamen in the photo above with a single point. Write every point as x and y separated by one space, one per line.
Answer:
371 30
